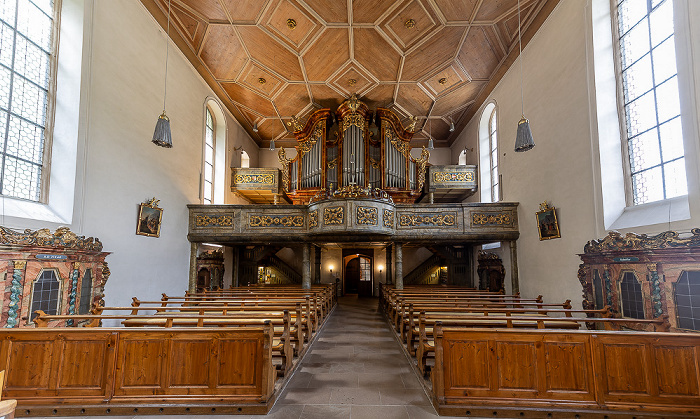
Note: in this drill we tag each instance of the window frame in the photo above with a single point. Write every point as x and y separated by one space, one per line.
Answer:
495 181
44 181
636 279
208 112
484 152
59 300
81 300
620 98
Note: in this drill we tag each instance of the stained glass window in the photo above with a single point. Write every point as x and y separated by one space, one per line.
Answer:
45 293
26 39
651 99
631 296
208 194
493 147
86 293
687 291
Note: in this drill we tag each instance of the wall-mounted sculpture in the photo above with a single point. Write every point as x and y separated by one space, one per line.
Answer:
353 146
58 273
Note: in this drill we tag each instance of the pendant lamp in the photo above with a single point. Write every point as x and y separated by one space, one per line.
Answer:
523 139
430 136
161 135
272 145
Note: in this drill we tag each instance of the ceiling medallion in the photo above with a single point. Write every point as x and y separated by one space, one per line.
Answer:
262 80
352 82
291 23
410 23
443 81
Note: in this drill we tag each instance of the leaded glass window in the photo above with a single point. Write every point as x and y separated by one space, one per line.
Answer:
598 290
86 293
631 296
209 159
365 269
493 148
45 293
651 100
26 48
687 291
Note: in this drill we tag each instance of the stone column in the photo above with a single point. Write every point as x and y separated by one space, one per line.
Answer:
194 247
399 265
236 274
306 267
514 281
317 261
389 251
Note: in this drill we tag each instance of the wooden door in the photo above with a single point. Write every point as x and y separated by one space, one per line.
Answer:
352 276
365 285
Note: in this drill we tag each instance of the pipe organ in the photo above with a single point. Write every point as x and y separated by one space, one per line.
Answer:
353 147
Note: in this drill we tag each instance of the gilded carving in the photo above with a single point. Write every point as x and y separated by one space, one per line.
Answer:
313 218
421 165
213 221
256 178
284 161
615 241
276 221
333 163
333 216
482 219
367 215
351 191
20 264
402 146
63 237
388 218
306 146
453 177
374 163
428 220
296 124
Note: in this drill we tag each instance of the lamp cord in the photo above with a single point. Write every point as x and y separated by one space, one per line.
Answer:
167 44
520 56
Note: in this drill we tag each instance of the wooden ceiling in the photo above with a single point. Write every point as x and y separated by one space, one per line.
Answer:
434 59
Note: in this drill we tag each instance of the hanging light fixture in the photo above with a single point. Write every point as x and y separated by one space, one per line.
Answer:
430 135
523 139
255 127
161 135
452 126
272 145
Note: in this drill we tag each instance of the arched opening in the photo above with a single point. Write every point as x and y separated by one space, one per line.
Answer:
488 154
631 296
245 159
462 157
358 275
687 293
45 293
214 153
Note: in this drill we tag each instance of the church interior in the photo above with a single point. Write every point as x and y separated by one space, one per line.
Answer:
350 208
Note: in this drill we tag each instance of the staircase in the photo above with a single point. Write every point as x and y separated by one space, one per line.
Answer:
285 274
421 274
458 272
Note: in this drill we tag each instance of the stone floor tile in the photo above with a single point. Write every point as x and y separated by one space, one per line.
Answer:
305 396
352 396
403 396
383 412
345 379
325 412
374 379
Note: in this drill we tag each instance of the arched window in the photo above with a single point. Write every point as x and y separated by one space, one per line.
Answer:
631 296
488 154
245 159
687 292
209 152
27 39
86 293
650 99
45 293
463 157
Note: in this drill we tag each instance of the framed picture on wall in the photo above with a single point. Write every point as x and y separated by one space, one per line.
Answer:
547 224
150 216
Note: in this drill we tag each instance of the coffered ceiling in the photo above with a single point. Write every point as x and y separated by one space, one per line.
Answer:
269 60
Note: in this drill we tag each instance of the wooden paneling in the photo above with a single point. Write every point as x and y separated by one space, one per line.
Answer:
34 371
239 366
82 364
336 40
606 371
189 363
141 364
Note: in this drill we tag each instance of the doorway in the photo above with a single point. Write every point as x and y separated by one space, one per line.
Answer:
358 275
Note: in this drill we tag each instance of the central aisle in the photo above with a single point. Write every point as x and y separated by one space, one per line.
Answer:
355 369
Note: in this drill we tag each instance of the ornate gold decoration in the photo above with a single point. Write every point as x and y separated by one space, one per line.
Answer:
545 206
264 178
152 203
421 165
352 82
333 215
353 103
353 119
313 218
443 81
491 218
616 242
366 215
63 237
403 147
351 191
291 23
410 23
307 145
412 126
213 221
20 264
284 161
296 124
453 177
275 221
388 218
262 80
374 163
428 220
333 163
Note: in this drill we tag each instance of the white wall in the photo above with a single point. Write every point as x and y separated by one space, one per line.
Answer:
562 167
